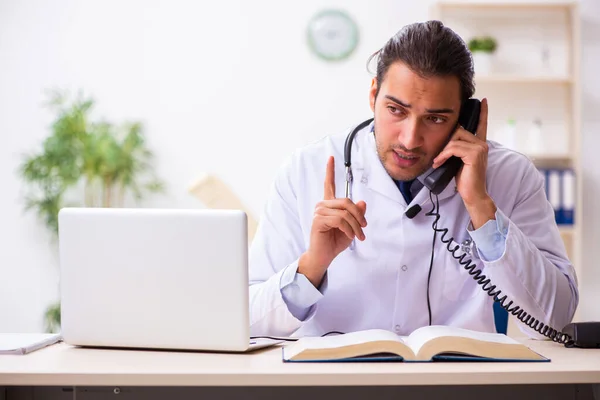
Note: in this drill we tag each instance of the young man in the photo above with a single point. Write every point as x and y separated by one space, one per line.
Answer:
321 262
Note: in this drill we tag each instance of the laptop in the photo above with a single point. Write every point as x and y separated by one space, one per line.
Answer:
155 279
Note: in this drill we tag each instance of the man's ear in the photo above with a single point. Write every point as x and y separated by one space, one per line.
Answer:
372 93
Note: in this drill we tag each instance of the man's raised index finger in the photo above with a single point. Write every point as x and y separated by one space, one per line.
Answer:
329 189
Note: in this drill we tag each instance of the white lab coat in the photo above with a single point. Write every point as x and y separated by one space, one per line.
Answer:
382 282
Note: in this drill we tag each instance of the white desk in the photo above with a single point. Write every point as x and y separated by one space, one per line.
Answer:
90 372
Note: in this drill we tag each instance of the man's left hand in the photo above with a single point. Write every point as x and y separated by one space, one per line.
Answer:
470 180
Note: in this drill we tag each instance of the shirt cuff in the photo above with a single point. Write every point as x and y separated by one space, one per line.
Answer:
490 238
299 294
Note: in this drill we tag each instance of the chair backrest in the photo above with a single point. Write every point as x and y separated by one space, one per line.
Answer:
500 318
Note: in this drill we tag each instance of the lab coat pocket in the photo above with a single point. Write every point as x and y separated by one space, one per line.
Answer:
458 283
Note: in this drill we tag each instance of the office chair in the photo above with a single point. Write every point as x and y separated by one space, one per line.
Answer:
500 318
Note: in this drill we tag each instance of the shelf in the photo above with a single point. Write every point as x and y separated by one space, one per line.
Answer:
549 160
534 74
524 79
566 230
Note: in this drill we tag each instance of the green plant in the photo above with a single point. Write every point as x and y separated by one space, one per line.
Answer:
52 317
485 44
85 163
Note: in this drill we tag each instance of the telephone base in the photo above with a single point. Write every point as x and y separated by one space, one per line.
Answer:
584 334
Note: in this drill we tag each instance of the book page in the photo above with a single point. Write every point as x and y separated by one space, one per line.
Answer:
422 335
15 342
334 341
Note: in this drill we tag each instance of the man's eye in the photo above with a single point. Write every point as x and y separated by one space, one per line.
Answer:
394 110
437 120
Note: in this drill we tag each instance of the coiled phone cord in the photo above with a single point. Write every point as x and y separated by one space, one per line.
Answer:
293 339
477 275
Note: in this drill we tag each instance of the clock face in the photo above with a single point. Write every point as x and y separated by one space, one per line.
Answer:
332 35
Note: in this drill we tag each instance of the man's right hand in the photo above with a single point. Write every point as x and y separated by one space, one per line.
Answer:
335 224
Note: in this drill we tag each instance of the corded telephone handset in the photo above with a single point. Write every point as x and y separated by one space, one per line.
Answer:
582 334
439 178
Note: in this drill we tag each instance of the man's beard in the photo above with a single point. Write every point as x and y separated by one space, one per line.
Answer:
381 153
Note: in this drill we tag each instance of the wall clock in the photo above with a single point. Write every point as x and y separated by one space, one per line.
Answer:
332 35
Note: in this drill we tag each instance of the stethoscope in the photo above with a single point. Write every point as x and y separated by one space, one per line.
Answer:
348 153
348 161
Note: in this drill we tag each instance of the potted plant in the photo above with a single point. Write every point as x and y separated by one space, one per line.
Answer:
482 48
85 163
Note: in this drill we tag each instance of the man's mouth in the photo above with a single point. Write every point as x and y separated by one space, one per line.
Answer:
403 160
407 156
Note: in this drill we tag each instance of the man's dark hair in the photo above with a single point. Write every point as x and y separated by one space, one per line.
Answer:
429 49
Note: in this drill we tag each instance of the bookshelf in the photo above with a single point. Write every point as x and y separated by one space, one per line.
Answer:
534 80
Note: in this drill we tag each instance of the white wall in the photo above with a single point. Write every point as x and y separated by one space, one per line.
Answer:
214 83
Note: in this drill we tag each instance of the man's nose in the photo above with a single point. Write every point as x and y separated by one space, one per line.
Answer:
410 136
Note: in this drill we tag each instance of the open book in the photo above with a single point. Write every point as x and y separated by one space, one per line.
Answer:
24 343
429 343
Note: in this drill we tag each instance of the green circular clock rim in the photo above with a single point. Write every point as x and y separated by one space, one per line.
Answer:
354 37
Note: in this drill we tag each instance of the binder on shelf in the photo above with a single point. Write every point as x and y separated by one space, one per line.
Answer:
568 196
544 173
554 193
560 192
